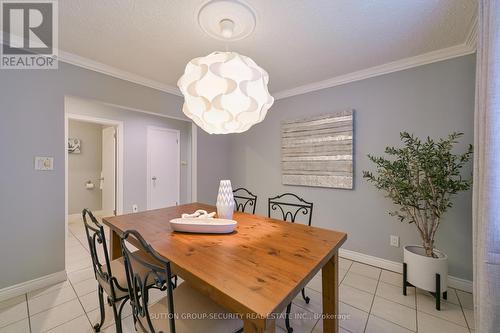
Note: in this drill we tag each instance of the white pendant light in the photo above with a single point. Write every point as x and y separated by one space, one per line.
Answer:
225 92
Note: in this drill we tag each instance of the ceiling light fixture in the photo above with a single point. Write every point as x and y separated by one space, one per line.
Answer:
226 28
225 92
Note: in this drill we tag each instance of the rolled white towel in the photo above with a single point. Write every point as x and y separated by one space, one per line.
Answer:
199 214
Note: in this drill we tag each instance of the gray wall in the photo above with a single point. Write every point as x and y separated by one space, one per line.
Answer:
32 124
431 100
135 126
84 167
213 164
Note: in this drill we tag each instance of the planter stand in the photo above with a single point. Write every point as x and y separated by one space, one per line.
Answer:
436 295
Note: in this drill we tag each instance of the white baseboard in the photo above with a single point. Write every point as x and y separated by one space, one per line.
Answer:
397 267
460 284
25 287
371 260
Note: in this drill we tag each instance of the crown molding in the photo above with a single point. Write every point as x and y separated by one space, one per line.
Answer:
471 40
95 66
468 47
398 65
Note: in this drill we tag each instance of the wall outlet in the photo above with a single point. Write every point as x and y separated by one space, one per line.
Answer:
135 208
394 241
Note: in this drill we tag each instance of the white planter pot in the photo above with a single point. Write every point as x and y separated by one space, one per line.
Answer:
422 270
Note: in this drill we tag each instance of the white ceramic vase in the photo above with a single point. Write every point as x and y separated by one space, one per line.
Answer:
225 200
422 270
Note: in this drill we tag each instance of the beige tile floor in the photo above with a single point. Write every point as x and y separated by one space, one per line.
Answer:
371 302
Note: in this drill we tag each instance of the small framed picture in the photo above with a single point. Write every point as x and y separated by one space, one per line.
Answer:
74 146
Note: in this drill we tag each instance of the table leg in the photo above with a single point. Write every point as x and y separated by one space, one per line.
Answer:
250 326
115 245
330 274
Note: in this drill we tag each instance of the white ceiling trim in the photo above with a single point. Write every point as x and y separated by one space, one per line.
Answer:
395 66
471 40
95 66
468 47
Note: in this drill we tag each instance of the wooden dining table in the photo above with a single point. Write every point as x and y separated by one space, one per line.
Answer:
254 272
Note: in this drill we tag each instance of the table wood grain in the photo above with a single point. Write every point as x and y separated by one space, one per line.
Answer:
255 271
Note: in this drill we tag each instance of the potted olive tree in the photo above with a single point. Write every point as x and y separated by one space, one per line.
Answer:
422 178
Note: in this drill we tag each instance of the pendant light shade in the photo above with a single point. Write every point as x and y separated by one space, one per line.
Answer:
225 92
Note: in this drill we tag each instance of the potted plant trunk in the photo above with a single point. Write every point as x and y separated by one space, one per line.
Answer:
422 178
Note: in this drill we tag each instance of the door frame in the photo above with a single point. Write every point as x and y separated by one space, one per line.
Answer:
119 161
119 153
148 162
115 128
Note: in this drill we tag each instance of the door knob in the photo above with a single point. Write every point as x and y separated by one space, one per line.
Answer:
154 178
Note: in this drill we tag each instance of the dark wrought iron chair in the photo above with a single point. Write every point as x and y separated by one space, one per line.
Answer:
110 274
242 198
288 206
162 316
115 286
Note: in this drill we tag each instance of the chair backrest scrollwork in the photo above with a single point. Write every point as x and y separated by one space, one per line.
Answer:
290 205
243 198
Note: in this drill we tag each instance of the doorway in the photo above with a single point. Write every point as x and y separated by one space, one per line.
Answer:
163 167
93 175
91 167
111 152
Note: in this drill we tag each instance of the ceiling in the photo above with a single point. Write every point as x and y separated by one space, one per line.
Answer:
298 42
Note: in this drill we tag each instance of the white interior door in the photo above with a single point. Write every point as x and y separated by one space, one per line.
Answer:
108 179
163 168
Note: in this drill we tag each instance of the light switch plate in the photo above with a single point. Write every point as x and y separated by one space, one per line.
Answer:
44 163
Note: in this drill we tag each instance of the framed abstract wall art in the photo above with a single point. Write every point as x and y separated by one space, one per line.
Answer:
318 151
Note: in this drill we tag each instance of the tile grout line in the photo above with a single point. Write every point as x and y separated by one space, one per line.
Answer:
14 322
47 293
79 241
338 289
447 320
390 300
396 324
71 283
52 307
416 308
78 296
367 277
373 301
416 313
79 301
347 271
463 312
28 311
